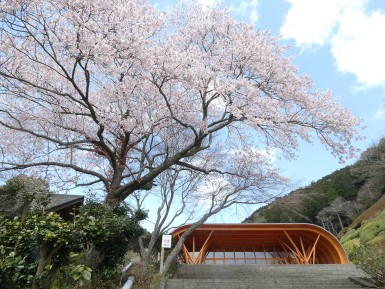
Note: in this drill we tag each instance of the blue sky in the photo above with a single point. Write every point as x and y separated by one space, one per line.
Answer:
341 44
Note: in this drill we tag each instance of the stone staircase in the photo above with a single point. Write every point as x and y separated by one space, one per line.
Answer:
269 276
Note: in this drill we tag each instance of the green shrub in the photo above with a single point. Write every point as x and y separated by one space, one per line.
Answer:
73 275
349 245
45 251
379 240
371 259
352 234
368 233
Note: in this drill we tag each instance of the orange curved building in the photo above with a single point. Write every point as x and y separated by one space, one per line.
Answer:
260 244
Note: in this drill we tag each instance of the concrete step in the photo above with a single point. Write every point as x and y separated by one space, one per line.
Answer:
257 271
243 284
266 277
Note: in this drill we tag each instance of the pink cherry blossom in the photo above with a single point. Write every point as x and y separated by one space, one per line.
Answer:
113 93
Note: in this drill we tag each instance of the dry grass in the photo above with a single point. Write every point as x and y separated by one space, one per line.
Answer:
369 213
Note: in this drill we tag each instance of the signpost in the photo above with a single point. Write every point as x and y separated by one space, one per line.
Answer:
166 243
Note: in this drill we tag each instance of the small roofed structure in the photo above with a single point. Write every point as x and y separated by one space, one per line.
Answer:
260 244
65 205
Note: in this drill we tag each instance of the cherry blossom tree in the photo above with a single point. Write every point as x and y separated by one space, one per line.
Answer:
94 92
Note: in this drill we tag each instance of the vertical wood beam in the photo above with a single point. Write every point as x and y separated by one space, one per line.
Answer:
298 252
314 248
187 256
264 253
234 255
202 251
193 249
302 246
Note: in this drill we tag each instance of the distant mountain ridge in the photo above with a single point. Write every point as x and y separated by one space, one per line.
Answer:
334 201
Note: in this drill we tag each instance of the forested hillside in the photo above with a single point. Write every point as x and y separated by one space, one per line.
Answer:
335 200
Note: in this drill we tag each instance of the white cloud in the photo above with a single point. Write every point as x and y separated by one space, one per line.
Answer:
310 22
213 190
359 46
380 113
355 35
254 16
247 9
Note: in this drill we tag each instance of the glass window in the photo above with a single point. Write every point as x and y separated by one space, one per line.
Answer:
249 254
261 261
219 255
260 254
220 262
210 255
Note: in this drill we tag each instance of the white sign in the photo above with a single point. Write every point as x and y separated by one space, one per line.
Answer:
166 241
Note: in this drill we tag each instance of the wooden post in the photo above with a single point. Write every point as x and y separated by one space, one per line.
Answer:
161 260
193 252
166 243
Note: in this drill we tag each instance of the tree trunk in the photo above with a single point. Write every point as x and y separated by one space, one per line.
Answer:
45 256
340 221
93 257
333 229
147 252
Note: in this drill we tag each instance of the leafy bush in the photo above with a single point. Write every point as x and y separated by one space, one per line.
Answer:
112 234
19 192
371 259
34 250
349 245
73 275
350 235
369 232
43 247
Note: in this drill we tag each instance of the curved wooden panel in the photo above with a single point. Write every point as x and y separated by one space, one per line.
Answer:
261 243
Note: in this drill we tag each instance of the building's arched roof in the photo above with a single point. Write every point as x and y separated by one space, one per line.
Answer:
280 243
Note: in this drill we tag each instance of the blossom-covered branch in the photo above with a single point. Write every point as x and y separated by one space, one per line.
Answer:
117 92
